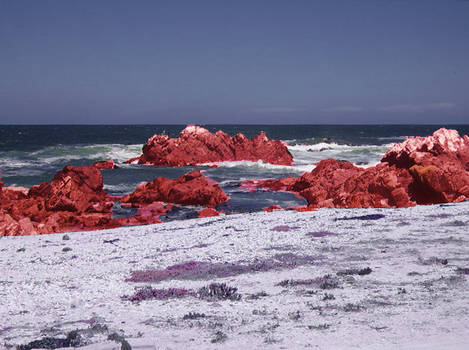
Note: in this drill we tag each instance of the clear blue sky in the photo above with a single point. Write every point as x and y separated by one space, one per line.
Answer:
330 61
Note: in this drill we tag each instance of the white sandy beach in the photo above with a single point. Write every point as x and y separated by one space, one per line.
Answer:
416 296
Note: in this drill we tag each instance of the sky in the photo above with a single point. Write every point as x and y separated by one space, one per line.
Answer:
234 62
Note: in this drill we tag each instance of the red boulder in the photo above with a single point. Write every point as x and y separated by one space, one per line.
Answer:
147 214
272 208
196 145
282 185
106 164
190 189
207 213
74 200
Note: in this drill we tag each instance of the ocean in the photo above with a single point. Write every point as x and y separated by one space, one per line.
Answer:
31 154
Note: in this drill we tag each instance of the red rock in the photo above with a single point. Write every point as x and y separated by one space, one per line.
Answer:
138 220
196 145
8 225
26 227
190 189
76 189
50 224
420 170
107 164
439 165
207 212
74 200
281 185
272 208
304 208
444 144
14 192
147 214
343 185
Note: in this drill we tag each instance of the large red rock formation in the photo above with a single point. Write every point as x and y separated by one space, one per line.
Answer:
74 200
196 145
443 146
343 185
420 170
439 165
190 189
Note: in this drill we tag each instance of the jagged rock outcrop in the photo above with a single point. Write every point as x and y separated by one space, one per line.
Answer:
189 189
420 170
343 185
196 145
439 165
74 200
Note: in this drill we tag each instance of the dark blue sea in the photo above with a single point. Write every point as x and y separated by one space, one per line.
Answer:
31 154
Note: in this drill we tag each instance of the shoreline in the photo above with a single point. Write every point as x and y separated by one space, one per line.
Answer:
414 294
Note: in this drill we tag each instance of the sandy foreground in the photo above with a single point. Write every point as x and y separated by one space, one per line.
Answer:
329 279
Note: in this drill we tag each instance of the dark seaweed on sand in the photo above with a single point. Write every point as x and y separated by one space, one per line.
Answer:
73 339
363 217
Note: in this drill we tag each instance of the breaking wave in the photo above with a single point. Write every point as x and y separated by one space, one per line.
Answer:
118 152
306 155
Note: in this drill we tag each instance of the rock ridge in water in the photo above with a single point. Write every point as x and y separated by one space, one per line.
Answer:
420 170
75 201
196 145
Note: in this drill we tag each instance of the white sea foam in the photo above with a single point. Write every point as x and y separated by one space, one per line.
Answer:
324 147
306 156
118 152
121 188
249 164
14 163
318 147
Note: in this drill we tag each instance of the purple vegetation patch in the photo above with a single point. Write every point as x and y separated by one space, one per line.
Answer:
205 270
160 294
153 275
320 234
284 228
